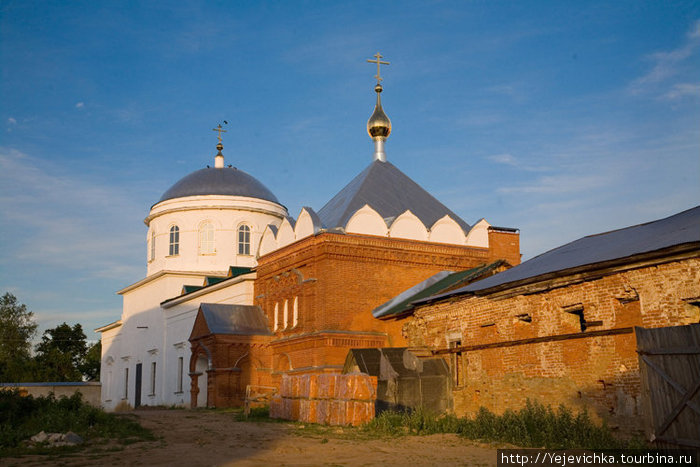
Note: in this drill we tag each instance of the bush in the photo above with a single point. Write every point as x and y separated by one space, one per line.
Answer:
532 426
21 417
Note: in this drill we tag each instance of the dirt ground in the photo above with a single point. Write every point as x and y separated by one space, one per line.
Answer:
209 438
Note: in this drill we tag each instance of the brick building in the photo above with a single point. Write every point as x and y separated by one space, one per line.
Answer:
238 293
559 328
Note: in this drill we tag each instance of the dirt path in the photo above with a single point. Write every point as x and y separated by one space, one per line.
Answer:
206 438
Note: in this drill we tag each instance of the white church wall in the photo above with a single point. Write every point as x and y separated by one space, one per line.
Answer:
226 213
367 221
408 226
479 234
179 320
152 334
447 230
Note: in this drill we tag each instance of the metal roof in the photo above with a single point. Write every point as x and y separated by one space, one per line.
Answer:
246 320
679 229
437 283
219 181
388 191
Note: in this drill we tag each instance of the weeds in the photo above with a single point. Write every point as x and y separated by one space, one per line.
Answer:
532 426
24 416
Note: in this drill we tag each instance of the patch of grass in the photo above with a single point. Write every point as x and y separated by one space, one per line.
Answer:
532 426
24 416
538 426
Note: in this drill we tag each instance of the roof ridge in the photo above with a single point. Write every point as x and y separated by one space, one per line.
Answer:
348 199
367 171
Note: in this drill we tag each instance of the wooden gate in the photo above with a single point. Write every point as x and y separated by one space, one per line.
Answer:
669 363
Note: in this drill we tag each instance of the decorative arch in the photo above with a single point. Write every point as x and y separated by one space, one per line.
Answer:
308 223
447 230
268 243
285 236
200 364
407 225
366 221
479 234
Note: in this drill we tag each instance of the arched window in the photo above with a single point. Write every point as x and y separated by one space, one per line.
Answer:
277 323
295 312
285 315
174 240
153 245
243 240
206 239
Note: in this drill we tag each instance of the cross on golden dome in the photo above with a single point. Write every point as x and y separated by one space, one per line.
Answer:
378 60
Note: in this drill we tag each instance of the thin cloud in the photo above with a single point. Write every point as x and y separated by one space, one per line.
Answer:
559 184
80 105
512 161
667 64
64 221
12 121
683 90
506 159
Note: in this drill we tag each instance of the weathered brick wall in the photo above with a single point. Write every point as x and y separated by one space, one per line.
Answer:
599 373
328 399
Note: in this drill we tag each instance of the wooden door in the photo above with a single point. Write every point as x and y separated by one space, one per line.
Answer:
669 363
137 392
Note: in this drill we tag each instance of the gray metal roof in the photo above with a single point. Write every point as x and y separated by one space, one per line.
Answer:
389 192
679 229
219 181
246 320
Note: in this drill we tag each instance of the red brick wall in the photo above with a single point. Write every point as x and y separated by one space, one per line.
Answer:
504 245
599 373
339 280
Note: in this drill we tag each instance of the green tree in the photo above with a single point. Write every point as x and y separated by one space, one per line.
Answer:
17 328
90 367
60 353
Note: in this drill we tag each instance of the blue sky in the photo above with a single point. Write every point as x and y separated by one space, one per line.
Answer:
560 118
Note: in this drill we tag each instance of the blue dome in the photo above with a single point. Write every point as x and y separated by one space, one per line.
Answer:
219 181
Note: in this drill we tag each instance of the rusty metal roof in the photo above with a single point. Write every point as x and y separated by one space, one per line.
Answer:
443 280
246 320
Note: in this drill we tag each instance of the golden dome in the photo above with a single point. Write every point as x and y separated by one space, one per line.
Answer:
378 124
